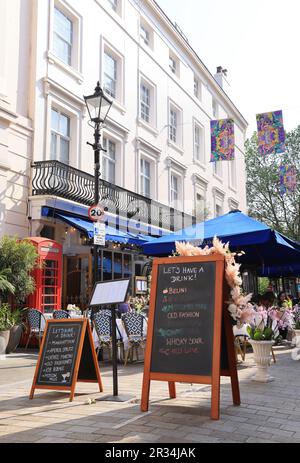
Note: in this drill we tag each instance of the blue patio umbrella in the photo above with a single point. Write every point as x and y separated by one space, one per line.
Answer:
262 245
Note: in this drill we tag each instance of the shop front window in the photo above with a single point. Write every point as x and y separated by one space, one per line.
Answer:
107 265
117 266
127 266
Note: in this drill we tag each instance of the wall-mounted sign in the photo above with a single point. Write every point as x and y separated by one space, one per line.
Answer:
99 233
96 212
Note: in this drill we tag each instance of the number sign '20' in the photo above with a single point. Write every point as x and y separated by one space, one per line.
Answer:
96 212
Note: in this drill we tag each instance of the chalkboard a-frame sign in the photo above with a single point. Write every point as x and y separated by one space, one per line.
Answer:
67 355
190 336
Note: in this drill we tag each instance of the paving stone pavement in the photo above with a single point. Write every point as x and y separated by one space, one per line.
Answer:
268 412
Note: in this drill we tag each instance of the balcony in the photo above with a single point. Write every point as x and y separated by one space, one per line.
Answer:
53 178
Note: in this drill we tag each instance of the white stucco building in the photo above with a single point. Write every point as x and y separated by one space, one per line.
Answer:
156 170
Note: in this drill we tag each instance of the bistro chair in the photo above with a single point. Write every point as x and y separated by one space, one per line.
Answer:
103 327
89 314
134 327
60 314
34 319
240 343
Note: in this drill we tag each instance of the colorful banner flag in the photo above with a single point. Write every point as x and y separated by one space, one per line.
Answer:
222 140
288 179
271 135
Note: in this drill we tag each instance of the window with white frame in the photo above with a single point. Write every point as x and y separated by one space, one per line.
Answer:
233 205
109 161
174 191
116 6
197 87
219 210
218 202
145 34
200 206
113 4
215 108
145 171
62 36
199 143
60 136
174 64
145 101
217 168
173 124
110 74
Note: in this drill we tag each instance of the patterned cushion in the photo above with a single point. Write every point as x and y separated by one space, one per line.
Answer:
34 319
102 322
133 324
59 314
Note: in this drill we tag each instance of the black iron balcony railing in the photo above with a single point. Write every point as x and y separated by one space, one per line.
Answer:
58 179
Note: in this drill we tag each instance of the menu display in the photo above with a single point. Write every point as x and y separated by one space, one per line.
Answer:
190 336
59 354
184 319
67 355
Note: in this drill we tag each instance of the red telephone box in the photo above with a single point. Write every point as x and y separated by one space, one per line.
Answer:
48 276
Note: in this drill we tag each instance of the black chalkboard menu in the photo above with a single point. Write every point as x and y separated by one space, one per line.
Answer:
184 319
67 355
189 336
59 354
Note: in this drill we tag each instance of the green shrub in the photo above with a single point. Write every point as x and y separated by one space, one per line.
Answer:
17 260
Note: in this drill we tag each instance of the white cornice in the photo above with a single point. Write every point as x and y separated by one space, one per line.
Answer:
171 162
50 84
198 180
142 143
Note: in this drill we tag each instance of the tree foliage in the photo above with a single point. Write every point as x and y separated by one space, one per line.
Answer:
263 186
17 260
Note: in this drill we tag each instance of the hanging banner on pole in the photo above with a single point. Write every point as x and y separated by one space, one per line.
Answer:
99 233
271 135
222 140
288 179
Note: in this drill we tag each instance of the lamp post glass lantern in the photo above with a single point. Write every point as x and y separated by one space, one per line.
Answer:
98 106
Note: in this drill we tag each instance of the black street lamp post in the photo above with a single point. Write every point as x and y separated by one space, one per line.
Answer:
98 106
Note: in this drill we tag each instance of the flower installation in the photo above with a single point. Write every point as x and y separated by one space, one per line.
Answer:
139 302
296 317
239 306
264 325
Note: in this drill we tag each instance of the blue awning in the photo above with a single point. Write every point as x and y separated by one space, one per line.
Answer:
262 245
276 271
87 227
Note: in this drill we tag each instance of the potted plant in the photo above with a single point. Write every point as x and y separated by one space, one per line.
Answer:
263 332
5 326
16 330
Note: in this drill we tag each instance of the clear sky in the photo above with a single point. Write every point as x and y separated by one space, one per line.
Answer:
257 41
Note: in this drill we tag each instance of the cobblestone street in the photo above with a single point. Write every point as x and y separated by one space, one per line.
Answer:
268 412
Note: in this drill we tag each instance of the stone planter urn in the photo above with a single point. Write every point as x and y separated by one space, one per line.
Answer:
262 358
296 338
14 338
4 338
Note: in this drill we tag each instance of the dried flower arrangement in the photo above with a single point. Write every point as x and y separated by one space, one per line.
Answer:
239 306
